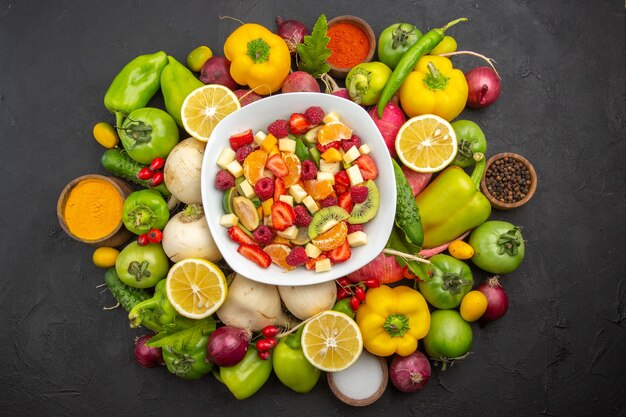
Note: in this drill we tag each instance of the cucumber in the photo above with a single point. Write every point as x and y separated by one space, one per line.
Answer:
407 213
128 297
118 163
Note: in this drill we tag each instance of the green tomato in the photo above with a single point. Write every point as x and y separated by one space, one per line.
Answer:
450 337
366 81
197 58
148 133
145 210
447 44
343 306
471 140
188 361
498 247
394 41
451 280
142 266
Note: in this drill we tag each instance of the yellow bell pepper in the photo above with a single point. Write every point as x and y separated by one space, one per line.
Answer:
259 58
434 87
392 320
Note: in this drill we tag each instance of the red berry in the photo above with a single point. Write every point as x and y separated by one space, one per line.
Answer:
279 188
303 218
355 303
155 236
341 253
239 236
224 180
343 282
279 128
367 166
242 153
308 170
145 173
283 215
264 188
157 164
297 256
264 354
156 179
342 182
143 240
372 283
359 293
323 148
263 235
329 201
255 254
277 165
346 144
272 341
298 124
263 345
359 194
270 331
240 139
355 227
314 115
343 293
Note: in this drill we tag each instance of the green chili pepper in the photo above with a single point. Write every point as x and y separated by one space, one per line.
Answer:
154 312
144 210
248 376
451 280
176 84
366 81
135 85
190 361
420 48
291 366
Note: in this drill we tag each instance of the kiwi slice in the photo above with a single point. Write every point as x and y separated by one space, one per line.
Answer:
365 211
227 200
246 212
326 218
302 238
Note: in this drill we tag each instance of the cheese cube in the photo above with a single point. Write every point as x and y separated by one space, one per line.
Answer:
286 199
229 220
331 117
326 176
267 206
331 155
226 157
259 137
235 168
323 265
312 251
357 239
311 135
297 192
310 204
247 189
287 145
332 167
268 143
289 233
354 173
364 149
352 154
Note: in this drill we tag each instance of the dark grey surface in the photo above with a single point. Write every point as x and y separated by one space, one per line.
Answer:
559 351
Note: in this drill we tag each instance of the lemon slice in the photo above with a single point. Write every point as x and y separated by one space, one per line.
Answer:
332 341
204 107
426 143
196 288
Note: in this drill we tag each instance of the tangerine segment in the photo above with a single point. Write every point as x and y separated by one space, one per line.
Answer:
279 253
293 163
333 131
196 288
332 238
319 190
332 341
205 107
254 166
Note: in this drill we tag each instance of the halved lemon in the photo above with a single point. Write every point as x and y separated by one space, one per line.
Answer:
426 143
196 288
332 341
204 107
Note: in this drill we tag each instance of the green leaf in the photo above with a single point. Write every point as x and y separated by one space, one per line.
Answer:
398 242
183 332
313 53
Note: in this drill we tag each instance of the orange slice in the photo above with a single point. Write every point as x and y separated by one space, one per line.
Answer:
333 131
319 190
332 238
254 166
279 253
205 107
293 163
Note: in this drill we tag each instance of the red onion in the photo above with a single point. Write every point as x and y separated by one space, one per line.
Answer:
300 81
410 373
484 87
292 31
228 345
497 300
147 356
216 70
389 125
247 96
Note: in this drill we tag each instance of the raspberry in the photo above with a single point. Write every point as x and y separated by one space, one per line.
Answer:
348 143
242 152
358 194
329 201
264 188
224 180
263 234
308 170
314 115
279 128
355 228
297 256
303 218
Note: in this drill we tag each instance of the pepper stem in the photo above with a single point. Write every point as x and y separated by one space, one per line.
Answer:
435 80
258 51
358 84
479 169
454 22
191 213
134 316
396 325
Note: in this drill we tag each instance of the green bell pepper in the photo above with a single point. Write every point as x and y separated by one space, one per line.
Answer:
471 140
154 312
248 376
366 81
148 133
133 87
189 362
394 41
142 266
452 204
144 210
498 247
176 84
451 280
291 366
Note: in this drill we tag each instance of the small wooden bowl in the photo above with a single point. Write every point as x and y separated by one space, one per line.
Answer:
337 72
119 235
365 401
531 189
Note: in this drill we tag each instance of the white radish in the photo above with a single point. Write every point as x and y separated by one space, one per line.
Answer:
187 235
182 171
307 300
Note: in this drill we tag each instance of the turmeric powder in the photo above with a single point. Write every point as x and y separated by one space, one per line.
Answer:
93 209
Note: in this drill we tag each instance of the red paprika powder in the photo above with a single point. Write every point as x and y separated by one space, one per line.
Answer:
348 45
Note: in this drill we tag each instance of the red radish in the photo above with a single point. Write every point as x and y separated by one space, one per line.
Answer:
410 373
216 70
292 31
333 88
427 253
484 87
497 300
246 96
383 268
417 180
228 345
147 356
389 125
299 81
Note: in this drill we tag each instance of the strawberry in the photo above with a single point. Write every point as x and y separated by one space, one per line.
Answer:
241 139
239 236
368 168
342 182
279 188
277 165
255 254
283 215
345 201
340 254
323 148
298 124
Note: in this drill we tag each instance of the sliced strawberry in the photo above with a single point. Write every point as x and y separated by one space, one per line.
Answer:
277 165
368 167
255 254
342 182
279 188
323 148
345 201
310 264
340 254
240 236
241 139
283 215
298 124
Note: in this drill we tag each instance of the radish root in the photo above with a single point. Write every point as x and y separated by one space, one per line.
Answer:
489 61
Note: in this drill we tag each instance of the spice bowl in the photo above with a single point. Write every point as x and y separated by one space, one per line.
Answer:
339 71
519 167
117 233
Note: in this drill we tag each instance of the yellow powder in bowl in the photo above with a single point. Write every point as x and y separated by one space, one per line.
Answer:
93 209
